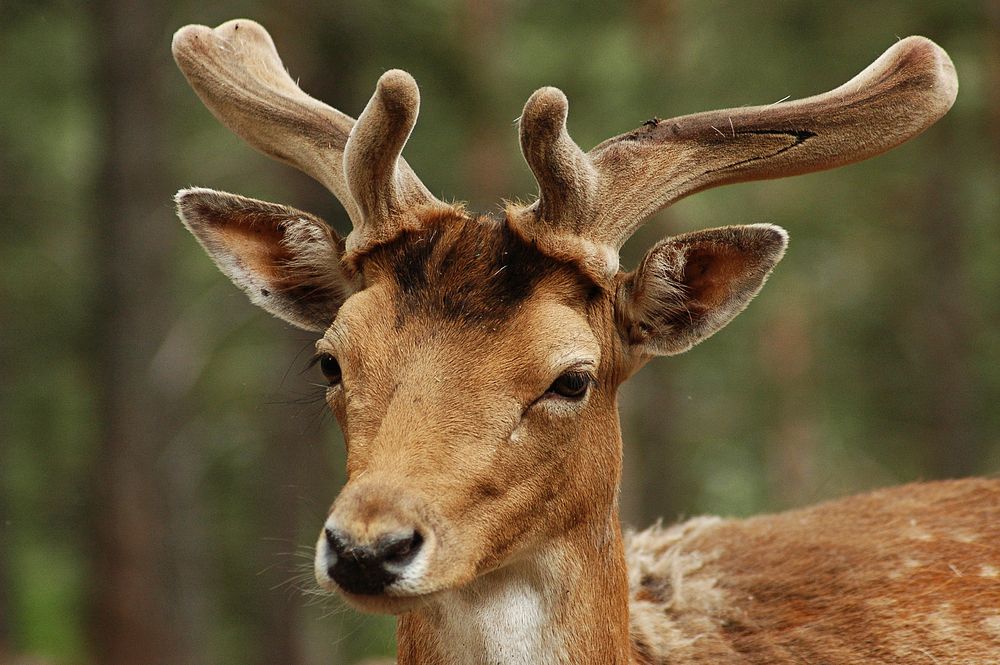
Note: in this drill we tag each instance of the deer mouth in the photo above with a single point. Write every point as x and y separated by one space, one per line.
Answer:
387 602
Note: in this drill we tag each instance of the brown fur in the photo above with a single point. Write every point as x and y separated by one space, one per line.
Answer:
904 575
443 353
474 269
429 440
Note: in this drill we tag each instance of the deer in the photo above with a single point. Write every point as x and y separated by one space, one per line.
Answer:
473 360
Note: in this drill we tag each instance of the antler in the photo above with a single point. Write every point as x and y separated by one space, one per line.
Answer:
381 182
592 202
237 73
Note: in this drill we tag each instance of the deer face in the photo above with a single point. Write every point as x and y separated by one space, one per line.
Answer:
473 362
473 375
470 376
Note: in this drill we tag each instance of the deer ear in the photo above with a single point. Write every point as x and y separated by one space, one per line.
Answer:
689 286
286 260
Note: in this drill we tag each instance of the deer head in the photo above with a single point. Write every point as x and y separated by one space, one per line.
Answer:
473 361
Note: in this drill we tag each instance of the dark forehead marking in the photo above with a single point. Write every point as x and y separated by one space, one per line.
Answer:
474 270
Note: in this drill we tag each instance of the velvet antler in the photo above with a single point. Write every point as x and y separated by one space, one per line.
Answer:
590 203
237 73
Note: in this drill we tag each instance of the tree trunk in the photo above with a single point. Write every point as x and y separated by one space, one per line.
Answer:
5 629
655 481
284 463
941 324
786 359
131 617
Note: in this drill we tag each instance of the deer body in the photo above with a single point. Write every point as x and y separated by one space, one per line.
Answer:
904 575
473 364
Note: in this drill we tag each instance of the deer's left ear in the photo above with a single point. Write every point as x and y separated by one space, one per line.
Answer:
286 260
689 286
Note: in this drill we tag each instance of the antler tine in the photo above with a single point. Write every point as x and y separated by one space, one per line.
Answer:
372 155
569 186
567 179
897 97
236 71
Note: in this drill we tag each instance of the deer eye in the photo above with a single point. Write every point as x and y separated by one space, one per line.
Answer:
330 368
571 385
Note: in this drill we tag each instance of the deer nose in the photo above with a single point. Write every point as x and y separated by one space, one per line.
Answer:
369 569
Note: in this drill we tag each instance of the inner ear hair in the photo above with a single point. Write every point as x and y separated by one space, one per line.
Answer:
690 286
286 260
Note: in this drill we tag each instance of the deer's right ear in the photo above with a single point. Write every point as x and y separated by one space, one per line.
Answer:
286 260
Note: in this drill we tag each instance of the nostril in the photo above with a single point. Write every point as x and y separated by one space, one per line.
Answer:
368 569
401 549
336 541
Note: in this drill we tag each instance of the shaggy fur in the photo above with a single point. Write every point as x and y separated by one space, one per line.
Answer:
905 575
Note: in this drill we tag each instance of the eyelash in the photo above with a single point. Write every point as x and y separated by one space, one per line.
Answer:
571 385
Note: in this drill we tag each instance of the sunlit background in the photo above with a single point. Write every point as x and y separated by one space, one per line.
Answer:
165 462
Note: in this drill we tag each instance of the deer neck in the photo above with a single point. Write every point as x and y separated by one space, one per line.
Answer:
567 602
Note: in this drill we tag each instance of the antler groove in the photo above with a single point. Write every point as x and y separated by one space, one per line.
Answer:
604 195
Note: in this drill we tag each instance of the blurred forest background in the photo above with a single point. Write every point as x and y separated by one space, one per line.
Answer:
165 464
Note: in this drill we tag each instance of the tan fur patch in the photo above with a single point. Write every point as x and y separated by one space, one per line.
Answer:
992 625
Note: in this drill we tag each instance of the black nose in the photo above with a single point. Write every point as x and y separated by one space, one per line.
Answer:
369 569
